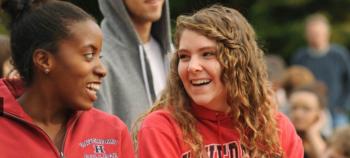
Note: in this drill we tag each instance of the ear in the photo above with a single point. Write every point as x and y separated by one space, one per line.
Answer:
43 60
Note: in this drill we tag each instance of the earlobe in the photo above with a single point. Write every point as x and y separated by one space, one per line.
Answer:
43 60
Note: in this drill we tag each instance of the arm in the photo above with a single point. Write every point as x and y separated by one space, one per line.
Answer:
313 136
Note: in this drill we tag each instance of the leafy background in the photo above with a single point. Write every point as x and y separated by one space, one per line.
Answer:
278 23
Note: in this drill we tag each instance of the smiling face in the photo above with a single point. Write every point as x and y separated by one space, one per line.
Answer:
144 10
77 71
200 71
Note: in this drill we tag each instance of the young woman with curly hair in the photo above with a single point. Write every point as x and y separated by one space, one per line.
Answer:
217 102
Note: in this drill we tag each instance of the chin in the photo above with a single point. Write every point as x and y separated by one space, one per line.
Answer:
201 102
300 127
84 107
154 17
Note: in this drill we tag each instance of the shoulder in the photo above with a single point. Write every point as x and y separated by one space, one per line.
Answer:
339 50
284 124
299 54
158 119
160 122
290 141
281 118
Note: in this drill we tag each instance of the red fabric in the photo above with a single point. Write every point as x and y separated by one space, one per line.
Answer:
160 136
16 86
91 133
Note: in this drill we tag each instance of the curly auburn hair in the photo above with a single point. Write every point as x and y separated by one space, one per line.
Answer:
243 73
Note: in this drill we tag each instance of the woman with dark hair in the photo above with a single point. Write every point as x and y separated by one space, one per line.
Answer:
56 49
217 102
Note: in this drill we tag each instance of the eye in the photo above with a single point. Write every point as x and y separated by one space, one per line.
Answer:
183 57
89 56
209 54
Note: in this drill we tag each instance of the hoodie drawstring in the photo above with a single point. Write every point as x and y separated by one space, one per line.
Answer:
219 134
147 76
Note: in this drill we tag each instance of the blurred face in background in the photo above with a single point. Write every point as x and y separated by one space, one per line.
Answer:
305 109
144 10
317 34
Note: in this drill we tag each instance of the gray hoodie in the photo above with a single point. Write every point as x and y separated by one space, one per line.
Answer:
126 90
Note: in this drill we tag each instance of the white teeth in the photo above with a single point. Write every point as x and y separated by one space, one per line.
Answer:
199 82
93 86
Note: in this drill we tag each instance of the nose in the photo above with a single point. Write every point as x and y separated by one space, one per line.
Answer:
100 70
194 65
297 112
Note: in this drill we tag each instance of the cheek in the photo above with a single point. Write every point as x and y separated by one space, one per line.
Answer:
182 71
217 72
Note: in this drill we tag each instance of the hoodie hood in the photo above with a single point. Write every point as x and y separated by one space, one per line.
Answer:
126 91
116 18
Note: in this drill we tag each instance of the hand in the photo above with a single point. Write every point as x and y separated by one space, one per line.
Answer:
13 75
316 127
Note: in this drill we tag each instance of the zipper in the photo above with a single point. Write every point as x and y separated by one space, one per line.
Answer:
47 138
69 124
61 154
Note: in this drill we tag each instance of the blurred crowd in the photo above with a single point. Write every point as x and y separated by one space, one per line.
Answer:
314 90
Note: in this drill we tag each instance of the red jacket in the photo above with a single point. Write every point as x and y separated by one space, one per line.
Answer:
161 137
90 134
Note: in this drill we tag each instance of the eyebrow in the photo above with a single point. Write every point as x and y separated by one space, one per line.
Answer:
206 48
201 49
90 46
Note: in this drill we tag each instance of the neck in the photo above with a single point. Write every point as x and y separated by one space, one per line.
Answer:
143 30
39 104
321 47
216 107
46 111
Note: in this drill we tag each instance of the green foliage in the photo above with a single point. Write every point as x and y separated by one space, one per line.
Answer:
278 23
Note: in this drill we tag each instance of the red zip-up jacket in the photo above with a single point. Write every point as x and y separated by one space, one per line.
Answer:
161 137
89 134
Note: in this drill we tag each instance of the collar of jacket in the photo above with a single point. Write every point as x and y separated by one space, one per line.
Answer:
208 114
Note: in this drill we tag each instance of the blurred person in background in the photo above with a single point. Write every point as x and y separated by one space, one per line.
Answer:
136 43
339 144
330 63
276 69
5 55
296 76
299 76
307 104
